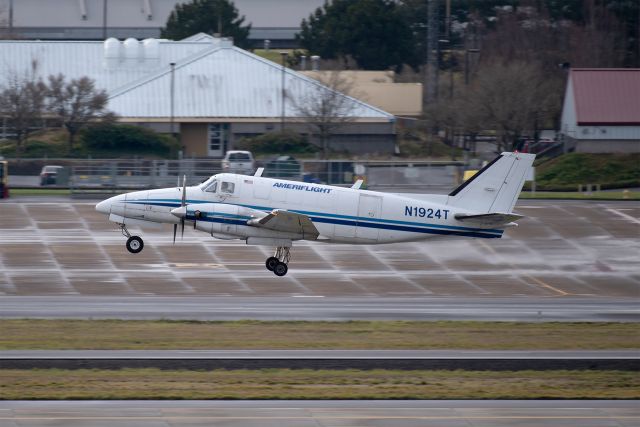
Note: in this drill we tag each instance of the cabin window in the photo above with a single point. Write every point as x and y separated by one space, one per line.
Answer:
227 187
212 188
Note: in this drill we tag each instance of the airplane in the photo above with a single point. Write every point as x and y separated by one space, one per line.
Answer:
275 212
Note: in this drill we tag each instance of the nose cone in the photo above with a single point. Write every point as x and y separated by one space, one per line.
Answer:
104 207
180 212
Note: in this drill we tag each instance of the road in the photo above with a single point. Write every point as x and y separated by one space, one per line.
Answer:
310 308
414 413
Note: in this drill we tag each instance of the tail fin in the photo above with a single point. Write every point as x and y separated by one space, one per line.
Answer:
496 187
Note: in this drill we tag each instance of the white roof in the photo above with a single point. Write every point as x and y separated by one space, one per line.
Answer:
213 78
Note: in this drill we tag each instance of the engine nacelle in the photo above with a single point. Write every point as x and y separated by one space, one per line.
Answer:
228 221
220 218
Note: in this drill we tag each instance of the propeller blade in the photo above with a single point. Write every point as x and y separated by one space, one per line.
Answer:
175 230
184 190
182 228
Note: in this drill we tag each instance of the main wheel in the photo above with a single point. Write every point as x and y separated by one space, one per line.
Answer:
134 244
271 263
281 269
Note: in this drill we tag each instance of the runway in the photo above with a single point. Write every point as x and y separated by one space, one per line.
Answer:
583 254
523 309
397 413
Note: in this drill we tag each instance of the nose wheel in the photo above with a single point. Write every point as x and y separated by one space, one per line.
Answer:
278 263
134 243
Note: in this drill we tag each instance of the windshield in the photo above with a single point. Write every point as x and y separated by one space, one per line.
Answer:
239 157
206 183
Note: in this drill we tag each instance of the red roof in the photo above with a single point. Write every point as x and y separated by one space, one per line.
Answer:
606 96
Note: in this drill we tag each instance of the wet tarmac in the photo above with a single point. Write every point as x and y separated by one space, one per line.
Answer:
423 413
562 249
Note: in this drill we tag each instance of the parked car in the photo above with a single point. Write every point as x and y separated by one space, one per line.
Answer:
282 167
49 175
239 162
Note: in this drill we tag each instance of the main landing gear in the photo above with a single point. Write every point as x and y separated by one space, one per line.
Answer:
134 243
278 263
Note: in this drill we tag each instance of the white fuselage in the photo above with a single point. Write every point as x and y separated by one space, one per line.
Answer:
341 215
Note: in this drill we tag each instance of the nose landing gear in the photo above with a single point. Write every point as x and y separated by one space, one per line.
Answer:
278 263
134 243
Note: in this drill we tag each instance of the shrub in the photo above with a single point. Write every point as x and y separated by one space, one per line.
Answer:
277 143
128 139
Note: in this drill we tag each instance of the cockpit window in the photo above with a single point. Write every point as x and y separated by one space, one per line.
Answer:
212 188
227 187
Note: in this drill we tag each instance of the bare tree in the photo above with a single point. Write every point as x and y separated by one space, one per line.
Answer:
326 109
22 102
510 99
76 103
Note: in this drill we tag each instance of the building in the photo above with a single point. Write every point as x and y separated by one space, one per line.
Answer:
601 112
210 91
378 88
100 19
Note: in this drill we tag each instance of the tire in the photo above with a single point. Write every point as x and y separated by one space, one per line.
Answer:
134 244
281 269
271 263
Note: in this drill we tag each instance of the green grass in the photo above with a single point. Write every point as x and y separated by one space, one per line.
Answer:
39 192
273 54
54 384
567 195
115 334
572 169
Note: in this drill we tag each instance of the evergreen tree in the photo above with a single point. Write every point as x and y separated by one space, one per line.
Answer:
372 32
207 16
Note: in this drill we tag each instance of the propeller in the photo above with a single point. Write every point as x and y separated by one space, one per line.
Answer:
183 210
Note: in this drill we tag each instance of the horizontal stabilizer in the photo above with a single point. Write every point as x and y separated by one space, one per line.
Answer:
495 219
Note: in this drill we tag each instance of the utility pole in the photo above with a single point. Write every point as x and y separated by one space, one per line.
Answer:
432 50
104 19
10 17
283 97
172 98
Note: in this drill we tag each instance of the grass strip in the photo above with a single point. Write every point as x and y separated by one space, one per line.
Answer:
573 195
39 192
54 384
23 334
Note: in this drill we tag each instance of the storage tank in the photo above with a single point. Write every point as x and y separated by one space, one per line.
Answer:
112 52
151 49
131 49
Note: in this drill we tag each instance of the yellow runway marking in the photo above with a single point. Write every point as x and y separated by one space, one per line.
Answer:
538 281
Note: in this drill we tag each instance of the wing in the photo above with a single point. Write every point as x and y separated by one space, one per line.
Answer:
288 222
490 219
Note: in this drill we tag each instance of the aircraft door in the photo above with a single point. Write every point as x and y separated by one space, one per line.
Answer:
369 207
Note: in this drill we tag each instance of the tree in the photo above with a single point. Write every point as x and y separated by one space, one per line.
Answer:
76 103
207 16
510 98
22 103
374 33
326 109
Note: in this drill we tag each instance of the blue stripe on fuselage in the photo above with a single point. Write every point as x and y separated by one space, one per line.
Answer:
385 224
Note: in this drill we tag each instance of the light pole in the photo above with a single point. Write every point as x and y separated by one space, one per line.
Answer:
284 58
466 63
